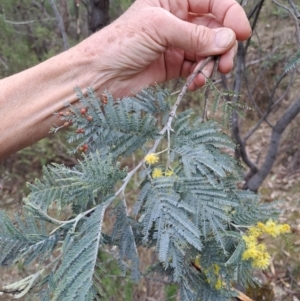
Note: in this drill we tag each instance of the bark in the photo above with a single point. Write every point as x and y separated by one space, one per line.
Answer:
60 24
98 14
240 151
65 13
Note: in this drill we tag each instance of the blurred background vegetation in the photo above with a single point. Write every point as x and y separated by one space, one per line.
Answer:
30 32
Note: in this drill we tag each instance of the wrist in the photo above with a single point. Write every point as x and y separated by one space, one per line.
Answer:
29 98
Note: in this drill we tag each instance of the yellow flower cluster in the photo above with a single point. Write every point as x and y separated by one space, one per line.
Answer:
273 229
151 158
157 172
216 268
257 252
219 283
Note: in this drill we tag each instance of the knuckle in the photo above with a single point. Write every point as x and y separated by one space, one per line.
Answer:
201 37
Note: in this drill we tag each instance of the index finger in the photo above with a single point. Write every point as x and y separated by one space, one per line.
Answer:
228 12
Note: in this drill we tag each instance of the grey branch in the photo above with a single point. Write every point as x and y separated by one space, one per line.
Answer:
272 104
4 64
256 180
295 8
295 17
26 22
60 24
241 151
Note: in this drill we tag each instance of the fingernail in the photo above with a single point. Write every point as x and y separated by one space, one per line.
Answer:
223 38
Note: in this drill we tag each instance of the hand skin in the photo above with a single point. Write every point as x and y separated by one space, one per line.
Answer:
152 42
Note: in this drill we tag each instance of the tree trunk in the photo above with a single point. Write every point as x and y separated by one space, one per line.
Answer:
63 7
98 14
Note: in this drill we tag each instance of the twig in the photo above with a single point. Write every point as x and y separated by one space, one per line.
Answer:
3 63
241 152
257 11
263 116
60 24
20 288
76 6
295 8
183 92
207 90
169 150
270 108
241 296
26 22
295 19
291 112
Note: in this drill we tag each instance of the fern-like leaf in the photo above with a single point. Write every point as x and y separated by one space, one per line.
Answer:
82 186
24 240
119 126
166 220
74 278
293 62
123 237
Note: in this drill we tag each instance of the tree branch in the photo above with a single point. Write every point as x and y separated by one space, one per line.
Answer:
4 64
256 180
295 8
26 22
60 24
294 17
271 106
241 151
256 12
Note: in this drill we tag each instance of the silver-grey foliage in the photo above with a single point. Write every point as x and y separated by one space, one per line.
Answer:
191 209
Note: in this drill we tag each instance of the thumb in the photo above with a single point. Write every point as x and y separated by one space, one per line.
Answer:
198 39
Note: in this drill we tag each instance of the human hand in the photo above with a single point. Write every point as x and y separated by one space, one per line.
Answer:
154 41
157 40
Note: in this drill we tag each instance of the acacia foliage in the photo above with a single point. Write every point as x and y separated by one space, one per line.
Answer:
191 212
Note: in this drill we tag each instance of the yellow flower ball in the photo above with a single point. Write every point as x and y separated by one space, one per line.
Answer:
263 261
151 159
250 240
256 252
156 173
261 247
219 284
271 228
250 254
285 228
254 231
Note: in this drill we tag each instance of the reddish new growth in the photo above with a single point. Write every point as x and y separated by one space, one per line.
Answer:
104 99
83 148
83 111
